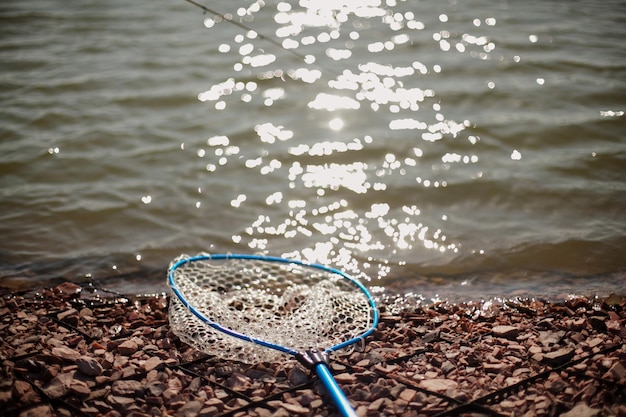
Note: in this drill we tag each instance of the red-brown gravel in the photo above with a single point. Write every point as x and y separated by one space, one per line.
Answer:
78 351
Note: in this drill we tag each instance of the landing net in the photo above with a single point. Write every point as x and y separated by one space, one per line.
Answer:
238 306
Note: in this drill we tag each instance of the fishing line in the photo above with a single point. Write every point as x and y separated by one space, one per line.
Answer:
308 59
229 19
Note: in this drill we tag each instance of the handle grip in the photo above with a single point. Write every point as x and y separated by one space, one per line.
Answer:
336 394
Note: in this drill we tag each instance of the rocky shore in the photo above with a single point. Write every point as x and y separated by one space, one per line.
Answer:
81 351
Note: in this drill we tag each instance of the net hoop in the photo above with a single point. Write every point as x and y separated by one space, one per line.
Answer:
374 314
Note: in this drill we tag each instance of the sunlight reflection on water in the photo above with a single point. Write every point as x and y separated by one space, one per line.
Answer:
331 214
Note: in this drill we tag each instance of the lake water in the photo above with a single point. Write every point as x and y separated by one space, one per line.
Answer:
480 146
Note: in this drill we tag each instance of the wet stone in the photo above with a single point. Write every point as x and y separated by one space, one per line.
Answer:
68 288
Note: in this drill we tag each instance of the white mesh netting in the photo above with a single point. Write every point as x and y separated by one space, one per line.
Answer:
295 306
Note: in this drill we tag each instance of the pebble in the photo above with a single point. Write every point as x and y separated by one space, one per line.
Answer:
496 368
507 332
152 363
79 388
207 412
64 315
89 366
21 388
376 405
156 388
66 353
127 348
556 387
295 409
127 388
582 410
298 376
55 388
42 410
616 373
379 391
438 384
190 409
447 367
408 394
345 378
558 357
69 288
120 401
598 323
237 381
